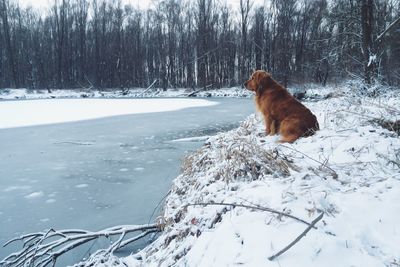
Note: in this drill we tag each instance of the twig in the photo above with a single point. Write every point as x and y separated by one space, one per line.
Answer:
384 106
252 207
87 79
359 114
133 239
333 172
158 205
297 238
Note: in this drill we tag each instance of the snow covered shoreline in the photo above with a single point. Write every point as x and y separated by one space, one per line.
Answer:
349 170
15 94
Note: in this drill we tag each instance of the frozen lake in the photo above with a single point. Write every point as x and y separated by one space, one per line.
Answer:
102 172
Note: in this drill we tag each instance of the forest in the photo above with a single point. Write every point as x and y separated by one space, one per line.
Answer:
198 43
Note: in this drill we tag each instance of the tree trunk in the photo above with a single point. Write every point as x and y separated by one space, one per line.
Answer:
367 41
7 38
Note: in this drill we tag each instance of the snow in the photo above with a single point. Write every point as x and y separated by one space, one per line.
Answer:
372 59
48 111
35 195
349 171
81 185
9 94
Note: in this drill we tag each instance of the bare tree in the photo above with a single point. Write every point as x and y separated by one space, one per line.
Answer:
245 7
368 49
7 38
202 43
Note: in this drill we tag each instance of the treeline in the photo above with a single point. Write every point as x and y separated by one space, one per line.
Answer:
198 43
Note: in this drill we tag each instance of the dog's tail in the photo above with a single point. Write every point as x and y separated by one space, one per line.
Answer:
311 130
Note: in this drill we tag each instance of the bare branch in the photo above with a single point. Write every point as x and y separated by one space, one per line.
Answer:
251 207
148 88
297 238
42 249
389 28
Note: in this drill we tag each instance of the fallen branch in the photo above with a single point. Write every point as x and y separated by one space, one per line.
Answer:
199 90
253 207
44 248
194 92
148 88
297 238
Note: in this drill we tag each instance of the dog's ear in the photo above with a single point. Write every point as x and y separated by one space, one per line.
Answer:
264 82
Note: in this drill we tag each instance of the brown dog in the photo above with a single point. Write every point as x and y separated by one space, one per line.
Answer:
283 114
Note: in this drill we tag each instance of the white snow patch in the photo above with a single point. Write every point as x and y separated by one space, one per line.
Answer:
35 195
372 59
50 200
139 169
81 185
48 111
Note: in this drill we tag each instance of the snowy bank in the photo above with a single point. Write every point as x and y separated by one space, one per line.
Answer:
47 111
8 94
349 170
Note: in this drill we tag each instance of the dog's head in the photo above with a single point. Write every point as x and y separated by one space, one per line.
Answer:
259 81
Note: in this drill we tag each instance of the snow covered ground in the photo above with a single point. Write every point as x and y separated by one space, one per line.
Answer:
8 94
349 171
47 111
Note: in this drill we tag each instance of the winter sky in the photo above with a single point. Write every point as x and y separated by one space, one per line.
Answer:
44 4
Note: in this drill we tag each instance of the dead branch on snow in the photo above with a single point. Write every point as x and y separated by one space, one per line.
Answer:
43 248
253 207
276 255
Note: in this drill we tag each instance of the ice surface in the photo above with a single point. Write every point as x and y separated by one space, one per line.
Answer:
77 167
47 111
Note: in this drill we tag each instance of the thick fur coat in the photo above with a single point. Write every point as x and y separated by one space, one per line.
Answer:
283 114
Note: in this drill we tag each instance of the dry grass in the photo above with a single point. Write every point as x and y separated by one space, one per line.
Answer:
236 158
393 126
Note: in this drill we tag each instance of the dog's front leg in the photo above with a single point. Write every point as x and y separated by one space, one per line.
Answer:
273 129
268 123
